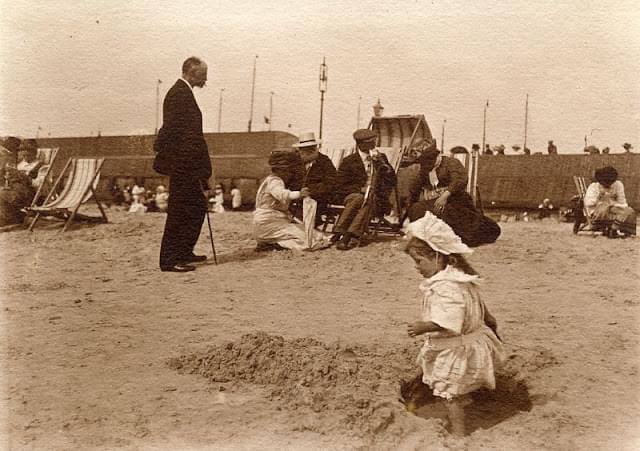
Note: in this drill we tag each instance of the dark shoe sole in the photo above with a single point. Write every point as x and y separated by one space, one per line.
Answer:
178 268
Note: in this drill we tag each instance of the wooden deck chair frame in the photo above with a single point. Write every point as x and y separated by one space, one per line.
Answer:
52 159
71 162
586 225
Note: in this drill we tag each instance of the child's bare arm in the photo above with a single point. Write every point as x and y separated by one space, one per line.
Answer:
421 327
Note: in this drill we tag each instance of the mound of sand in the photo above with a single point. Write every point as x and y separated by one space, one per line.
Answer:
349 388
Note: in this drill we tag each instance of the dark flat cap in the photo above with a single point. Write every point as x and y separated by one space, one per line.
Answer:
364 134
284 159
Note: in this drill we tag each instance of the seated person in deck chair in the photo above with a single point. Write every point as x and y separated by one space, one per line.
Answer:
29 163
607 206
440 188
364 181
318 175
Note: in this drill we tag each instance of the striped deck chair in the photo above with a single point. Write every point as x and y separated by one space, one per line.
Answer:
80 186
583 222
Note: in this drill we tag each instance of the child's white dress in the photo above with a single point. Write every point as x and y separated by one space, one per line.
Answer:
464 357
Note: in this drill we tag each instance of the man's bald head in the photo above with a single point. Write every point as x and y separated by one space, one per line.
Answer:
194 70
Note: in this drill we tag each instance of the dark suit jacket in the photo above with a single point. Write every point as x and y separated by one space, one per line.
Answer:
451 174
352 177
180 145
321 179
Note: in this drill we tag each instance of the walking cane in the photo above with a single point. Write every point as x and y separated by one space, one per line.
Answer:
213 246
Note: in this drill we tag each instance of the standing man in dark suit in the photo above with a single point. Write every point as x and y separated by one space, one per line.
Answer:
318 173
181 153
364 181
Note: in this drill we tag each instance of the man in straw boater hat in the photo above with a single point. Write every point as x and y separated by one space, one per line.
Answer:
272 225
319 173
627 147
364 181
182 154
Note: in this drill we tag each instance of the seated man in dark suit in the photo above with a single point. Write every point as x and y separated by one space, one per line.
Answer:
318 174
364 181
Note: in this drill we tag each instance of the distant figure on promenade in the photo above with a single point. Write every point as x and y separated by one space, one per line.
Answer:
551 148
606 150
592 150
487 150
319 173
182 153
606 203
527 151
236 197
499 150
627 147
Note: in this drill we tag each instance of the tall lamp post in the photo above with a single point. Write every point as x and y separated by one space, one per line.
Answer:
442 138
159 82
253 90
271 110
220 110
323 88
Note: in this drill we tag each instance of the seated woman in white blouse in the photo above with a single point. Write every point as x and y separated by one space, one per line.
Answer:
272 223
607 206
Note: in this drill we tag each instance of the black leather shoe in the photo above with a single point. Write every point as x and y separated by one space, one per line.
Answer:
335 238
193 258
178 268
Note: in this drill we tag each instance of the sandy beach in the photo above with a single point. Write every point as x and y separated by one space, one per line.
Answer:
278 350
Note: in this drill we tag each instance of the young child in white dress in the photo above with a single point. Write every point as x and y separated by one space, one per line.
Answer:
461 351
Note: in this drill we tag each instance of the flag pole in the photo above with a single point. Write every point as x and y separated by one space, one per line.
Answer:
526 122
253 90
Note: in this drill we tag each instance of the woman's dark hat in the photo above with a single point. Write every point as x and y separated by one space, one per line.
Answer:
284 159
606 175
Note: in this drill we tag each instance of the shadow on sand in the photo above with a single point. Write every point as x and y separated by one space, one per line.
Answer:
485 408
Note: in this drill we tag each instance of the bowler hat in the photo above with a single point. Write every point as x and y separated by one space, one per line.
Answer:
364 135
307 139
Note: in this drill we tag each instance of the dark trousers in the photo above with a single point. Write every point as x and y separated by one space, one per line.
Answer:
185 215
354 218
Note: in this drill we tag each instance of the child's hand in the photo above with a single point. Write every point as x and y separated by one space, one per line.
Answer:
417 328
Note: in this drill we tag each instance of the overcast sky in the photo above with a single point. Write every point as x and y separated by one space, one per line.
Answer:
73 68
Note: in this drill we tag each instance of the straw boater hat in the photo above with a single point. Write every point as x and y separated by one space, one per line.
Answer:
307 139
437 234
627 146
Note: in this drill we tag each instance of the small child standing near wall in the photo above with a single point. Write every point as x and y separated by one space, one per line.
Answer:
462 350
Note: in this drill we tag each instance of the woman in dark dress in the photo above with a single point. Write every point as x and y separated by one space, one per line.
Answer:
440 188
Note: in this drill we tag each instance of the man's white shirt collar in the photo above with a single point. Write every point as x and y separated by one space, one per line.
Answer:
364 156
190 87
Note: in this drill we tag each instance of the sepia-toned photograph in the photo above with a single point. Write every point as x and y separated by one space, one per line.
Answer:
338 225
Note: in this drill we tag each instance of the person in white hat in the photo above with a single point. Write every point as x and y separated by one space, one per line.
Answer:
462 349
319 174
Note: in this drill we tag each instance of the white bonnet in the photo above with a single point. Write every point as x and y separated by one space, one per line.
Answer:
437 234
